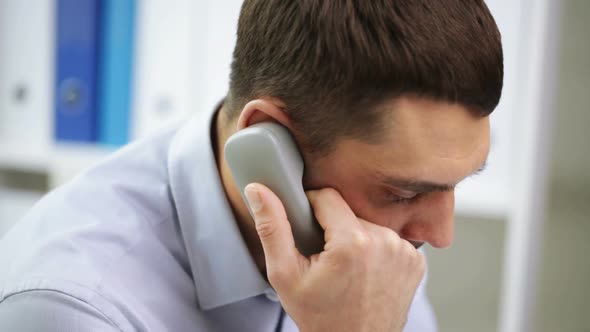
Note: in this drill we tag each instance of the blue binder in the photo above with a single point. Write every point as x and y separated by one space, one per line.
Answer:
76 70
116 56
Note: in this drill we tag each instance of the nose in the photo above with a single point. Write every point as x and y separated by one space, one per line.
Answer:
433 220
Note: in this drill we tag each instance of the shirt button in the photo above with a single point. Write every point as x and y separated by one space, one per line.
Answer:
271 295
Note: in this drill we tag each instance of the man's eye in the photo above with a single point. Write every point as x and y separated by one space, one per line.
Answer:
396 199
400 200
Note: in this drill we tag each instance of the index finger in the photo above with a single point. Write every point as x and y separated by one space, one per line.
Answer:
332 211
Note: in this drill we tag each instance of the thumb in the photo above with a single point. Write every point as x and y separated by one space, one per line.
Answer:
273 228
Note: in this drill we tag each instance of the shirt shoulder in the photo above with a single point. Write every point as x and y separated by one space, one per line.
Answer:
52 311
92 220
108 236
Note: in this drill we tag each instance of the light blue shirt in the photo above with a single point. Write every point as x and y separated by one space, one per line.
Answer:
144 241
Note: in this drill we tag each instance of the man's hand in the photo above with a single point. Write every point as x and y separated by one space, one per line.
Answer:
364 280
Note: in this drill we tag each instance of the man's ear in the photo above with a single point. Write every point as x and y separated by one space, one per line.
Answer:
263 109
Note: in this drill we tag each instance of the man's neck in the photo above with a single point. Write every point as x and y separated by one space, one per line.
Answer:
221 130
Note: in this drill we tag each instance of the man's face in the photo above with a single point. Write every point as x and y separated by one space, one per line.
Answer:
406 181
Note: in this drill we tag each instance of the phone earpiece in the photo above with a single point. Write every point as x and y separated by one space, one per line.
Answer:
266 153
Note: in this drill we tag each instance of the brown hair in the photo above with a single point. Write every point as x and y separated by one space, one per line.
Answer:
333 62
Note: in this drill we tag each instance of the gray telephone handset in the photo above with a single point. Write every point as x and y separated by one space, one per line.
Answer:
266 153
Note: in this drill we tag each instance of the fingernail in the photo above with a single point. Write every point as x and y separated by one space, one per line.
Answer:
253 197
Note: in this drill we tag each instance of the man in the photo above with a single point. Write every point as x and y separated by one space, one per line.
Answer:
389 103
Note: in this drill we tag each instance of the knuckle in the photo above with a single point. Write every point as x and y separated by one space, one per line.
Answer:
392 239
278 276
360 240
408 248
265 228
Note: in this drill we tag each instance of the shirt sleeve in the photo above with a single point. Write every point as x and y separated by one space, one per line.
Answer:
51 311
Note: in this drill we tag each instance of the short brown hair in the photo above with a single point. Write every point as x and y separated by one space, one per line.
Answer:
332 62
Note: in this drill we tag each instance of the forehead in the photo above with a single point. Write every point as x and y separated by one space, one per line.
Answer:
427 140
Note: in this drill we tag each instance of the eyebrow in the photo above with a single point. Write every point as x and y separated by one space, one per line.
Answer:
425 186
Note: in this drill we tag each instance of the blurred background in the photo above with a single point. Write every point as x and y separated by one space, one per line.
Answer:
80 78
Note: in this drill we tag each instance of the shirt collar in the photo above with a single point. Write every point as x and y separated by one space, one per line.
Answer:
222 268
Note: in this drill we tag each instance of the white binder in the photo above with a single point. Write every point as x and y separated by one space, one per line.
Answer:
26 79
163 62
